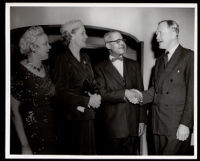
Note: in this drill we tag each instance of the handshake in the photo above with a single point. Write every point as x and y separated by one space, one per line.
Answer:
134 96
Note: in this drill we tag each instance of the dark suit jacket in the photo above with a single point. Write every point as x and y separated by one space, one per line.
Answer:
121 118
68 76
172 93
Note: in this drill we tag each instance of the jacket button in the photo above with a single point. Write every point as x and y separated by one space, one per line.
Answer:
171 80
167 92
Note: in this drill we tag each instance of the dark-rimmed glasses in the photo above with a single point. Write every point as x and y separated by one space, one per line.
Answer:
117 41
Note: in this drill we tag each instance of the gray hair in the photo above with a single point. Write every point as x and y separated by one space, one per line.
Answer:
69 28
29 38
108 35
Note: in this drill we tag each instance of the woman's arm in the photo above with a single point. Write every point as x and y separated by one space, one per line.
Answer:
17 120
61 73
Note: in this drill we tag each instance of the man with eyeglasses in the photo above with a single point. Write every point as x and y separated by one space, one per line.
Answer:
123 120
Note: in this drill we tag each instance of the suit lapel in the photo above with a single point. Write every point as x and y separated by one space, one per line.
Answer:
114 72
127 69
175 59
78 65
171 65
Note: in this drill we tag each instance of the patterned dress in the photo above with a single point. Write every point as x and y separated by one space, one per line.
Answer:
35 95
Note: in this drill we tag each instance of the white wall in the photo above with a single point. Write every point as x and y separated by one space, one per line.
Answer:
140 22
185 19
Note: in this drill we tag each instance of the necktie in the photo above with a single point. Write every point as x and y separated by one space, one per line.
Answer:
165 57
117 58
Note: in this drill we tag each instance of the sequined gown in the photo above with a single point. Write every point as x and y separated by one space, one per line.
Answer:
35 95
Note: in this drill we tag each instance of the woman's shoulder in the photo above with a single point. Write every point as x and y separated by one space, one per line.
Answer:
23 63
23 67
19 68
18 80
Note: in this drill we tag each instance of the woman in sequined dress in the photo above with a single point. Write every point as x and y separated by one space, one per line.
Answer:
31 96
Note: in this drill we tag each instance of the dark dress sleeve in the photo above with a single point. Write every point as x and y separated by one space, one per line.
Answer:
62 74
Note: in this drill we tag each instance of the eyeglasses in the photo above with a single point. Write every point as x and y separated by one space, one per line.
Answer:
117 41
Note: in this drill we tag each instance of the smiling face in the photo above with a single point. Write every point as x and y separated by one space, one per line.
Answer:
115 43
165 36
79 37
42 47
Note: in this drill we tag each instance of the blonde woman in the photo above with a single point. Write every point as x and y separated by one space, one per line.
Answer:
75 90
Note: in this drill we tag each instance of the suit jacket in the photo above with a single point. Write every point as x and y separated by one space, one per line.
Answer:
68 76
121 118
172 93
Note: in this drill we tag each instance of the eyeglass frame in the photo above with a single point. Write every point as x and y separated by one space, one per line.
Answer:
117 41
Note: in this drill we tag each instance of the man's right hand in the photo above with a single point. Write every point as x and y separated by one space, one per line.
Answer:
134 96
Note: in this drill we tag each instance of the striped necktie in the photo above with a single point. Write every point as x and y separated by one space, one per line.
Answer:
165 57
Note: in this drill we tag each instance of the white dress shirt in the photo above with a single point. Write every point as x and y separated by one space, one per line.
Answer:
171 52
118 64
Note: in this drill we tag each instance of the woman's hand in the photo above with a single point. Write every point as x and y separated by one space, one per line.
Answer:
95 100
81 109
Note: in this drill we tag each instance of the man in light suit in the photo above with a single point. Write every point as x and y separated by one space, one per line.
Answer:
123 120
172 93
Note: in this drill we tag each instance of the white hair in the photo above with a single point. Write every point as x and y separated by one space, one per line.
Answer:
28 38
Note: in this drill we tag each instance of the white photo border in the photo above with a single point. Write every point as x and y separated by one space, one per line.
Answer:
7 81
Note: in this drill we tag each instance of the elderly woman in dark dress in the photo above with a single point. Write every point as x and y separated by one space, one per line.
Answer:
75 91
31 94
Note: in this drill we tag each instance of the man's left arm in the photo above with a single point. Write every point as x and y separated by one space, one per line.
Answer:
187 119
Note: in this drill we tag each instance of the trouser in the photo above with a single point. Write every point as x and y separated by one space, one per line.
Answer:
169 145
123 146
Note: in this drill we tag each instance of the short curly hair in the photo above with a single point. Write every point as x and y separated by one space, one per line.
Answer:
66 36
28 38
69 28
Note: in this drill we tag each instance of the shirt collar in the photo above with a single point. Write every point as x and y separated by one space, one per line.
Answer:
172 50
